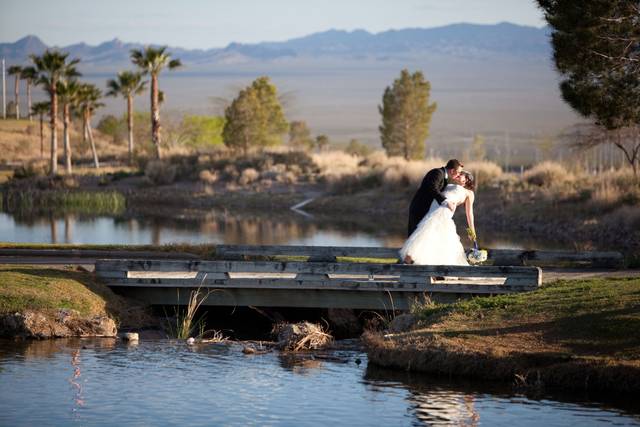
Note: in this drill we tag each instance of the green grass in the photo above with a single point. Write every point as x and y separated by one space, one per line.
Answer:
38 288
595 316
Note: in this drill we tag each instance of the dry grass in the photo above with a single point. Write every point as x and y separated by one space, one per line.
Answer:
484 172
548 174
20 141
347 173
301 336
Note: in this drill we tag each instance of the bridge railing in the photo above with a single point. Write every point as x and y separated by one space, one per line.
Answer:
502 257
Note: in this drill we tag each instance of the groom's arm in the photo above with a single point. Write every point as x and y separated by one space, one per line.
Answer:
433 183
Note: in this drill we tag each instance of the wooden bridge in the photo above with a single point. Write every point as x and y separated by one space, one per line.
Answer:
310 284
267 276
259 276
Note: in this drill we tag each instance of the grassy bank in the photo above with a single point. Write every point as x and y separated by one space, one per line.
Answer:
569 334
48 290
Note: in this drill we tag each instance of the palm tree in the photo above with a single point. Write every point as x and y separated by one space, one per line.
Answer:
151 61
16 70
52 67
128 84
29 74
40 108
88 97
68 91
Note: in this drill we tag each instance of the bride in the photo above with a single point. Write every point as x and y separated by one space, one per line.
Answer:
435 240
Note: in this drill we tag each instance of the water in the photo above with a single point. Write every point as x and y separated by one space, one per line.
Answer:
104 382
225 228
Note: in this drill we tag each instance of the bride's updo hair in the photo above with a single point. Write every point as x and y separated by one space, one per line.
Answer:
471 182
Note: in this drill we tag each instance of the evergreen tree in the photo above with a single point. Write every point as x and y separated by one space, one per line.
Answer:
322 142
255 117
300 135
406 115
596 47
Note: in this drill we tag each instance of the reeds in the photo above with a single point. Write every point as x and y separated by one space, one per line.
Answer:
34 201
186 324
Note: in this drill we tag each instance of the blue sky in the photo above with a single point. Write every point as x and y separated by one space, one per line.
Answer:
214 23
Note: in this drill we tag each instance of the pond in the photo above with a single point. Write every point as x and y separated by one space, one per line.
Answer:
221 227
162 382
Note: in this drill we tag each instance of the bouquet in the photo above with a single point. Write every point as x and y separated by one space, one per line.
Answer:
475 255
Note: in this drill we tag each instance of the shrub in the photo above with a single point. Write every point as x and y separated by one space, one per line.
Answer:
160 172
484 172
209 177
31 169
248 176
230 171
547 174
334 164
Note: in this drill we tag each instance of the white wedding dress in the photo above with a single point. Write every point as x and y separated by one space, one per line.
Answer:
435 240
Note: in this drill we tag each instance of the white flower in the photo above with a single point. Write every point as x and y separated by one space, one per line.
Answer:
476 256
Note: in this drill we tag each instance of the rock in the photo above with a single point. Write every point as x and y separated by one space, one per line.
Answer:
249 350
402 323
130 336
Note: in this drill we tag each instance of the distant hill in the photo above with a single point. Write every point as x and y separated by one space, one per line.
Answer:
497 80
459 40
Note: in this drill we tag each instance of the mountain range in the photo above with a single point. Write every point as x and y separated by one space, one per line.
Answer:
459 40
498 80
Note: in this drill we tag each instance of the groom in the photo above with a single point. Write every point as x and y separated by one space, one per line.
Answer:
431 188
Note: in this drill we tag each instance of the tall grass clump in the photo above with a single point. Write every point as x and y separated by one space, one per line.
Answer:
87 202
186 325
548 174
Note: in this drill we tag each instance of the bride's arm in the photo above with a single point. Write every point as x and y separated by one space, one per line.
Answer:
469 210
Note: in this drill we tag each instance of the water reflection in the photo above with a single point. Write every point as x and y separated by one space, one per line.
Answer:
223 227
435 401
211 227
105 382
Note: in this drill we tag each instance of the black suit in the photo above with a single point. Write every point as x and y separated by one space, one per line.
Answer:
431 188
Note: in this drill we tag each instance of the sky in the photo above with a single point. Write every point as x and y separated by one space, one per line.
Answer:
202 24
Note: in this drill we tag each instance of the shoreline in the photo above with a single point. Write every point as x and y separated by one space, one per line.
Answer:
572 334
530 215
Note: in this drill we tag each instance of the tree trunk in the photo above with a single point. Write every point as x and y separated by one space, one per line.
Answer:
130 126
155 115
87 126
54 133
65 135
42 135
17 94
29 100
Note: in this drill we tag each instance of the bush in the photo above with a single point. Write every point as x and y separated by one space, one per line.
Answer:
333 165
484 172
548 174
160 172
248 176
31 169
209 177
